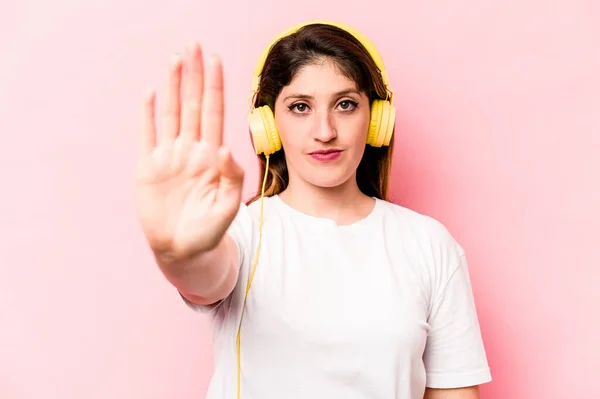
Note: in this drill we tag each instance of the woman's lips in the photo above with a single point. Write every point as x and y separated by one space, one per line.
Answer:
326 155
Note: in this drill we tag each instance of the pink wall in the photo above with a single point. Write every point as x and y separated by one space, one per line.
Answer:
498 137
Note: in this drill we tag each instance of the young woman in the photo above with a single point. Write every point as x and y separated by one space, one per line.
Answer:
321 288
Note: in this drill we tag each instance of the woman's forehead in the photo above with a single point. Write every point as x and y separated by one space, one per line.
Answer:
321 79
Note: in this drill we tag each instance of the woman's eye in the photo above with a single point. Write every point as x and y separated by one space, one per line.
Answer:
347 105
299 107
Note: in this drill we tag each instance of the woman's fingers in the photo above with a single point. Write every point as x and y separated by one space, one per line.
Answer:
172 103
213 104
193 82
192 109
147 139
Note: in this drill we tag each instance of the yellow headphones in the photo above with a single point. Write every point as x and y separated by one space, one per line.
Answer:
266 138
383 114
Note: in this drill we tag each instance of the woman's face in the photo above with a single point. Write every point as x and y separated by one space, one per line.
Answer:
323 123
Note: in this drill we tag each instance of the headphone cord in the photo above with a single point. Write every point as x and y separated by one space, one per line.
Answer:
251 277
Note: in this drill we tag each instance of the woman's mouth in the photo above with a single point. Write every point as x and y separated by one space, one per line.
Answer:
326 155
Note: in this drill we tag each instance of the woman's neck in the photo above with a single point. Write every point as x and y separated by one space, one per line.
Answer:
344 204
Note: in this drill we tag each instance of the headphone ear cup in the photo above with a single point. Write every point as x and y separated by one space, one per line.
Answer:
374 123
381 125
388 121
264 133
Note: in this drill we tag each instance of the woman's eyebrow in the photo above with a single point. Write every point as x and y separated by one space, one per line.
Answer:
309 97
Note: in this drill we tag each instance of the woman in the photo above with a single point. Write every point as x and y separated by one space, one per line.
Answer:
351 296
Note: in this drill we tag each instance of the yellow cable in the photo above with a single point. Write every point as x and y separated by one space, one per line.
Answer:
237 341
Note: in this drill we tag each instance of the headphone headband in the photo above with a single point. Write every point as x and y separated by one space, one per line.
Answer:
369 46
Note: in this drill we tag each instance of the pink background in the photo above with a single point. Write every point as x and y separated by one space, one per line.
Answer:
498 137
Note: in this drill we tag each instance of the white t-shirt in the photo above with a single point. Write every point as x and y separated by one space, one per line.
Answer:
379 309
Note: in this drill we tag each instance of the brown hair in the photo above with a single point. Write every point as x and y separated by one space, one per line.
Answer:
308 45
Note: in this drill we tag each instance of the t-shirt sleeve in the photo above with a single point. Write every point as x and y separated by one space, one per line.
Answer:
454 355
240 231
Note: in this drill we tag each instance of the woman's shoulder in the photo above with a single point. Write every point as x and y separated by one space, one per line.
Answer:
410 217
419 226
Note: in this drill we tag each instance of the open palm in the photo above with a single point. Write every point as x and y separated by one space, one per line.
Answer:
188 187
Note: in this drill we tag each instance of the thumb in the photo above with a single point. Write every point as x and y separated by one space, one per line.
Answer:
232 173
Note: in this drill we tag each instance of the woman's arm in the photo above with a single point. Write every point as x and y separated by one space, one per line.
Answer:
458 393
206 278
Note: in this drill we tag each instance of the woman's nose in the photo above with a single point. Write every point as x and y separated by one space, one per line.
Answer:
324 129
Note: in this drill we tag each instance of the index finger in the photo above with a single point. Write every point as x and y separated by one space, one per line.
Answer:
213 104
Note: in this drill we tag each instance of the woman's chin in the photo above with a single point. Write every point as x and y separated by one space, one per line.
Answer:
330 180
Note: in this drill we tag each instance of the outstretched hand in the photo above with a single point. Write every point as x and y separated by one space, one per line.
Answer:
188 186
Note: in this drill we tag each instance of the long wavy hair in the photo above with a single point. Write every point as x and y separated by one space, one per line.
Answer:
306 46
